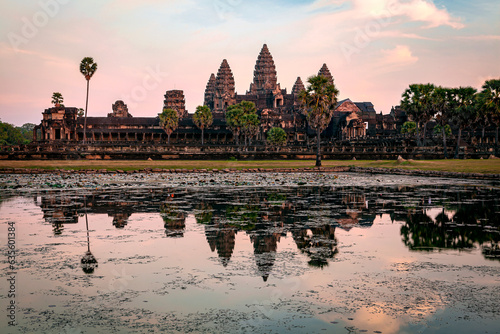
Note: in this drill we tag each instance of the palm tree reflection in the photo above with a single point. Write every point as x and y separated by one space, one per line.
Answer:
318 243
462 229
88 261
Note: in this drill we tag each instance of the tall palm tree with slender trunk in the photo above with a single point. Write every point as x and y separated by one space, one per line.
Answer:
242 117
442 104
251 125
87 68
234 120
464 113
169 121
203 118
416 101
318 103
491 100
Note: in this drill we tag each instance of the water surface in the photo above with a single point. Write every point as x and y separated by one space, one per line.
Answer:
353 259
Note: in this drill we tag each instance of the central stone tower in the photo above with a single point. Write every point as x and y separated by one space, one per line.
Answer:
265 83
264 75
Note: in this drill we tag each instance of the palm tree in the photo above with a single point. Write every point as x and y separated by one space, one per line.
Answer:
464 112
250 121
416 101
203 118
169 120
491 99
238 119
318 103
87 68
481 114
250 126
234 120
57 99
442 104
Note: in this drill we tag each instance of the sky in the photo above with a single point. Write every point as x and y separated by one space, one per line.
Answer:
374 48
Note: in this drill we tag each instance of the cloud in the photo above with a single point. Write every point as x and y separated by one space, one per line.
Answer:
401 34
414 11
480 38
400 55
421 10
395 59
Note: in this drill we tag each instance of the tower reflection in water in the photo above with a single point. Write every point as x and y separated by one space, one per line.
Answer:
432 218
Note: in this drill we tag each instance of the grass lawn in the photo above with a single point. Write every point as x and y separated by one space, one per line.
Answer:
490 166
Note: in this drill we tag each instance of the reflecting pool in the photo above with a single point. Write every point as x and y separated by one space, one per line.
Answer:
407 259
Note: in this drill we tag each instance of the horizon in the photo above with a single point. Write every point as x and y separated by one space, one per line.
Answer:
374 49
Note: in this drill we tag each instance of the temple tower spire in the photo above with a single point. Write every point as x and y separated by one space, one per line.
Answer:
224 88
210 92
324 71
298 86
264 75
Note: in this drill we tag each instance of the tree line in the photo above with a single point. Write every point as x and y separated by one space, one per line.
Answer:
16 135
463 107
241 119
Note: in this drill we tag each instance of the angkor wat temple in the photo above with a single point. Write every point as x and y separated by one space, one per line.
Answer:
275 106
355 131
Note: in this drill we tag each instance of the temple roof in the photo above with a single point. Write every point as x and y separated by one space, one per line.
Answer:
365 106
339 103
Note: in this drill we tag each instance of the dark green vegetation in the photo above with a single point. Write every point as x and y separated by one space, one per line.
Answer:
203 118
276 136
16 135
463 107
57 99
169 121
242 119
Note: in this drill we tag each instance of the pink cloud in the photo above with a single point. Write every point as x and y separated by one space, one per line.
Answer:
480 37
401 55
415 10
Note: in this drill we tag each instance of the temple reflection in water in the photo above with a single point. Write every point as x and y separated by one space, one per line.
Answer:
432 218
